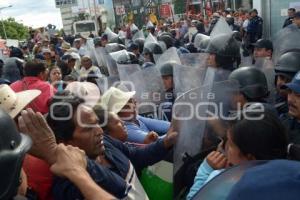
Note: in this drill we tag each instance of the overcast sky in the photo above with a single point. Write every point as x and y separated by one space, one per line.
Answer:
35 13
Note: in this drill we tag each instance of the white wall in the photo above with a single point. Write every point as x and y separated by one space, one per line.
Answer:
258 5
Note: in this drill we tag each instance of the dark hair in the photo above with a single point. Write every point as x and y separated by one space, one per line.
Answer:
254 11
34 68
53 67
62 105
103 116
292 9
262 99
265 139
226 62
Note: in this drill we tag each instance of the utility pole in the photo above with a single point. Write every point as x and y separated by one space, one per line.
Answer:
96 18
2 8
90 11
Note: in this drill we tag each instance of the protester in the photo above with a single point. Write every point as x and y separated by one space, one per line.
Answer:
138 127
247 140
36 75
65 161
83 131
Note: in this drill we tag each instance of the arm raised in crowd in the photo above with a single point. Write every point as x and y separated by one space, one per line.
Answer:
66 161
71 163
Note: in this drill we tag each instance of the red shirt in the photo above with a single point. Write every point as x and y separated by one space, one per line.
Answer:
39 177
40 104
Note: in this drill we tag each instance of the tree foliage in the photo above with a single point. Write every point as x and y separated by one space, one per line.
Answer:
14 30
179 6
81 17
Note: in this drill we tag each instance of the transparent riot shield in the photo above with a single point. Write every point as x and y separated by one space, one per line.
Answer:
286 39
196 114
199 38
104 83
100 55
138 35
133 28
112 66
113 47
220 28
150 39
219 187
192 31
169 56
126 70
195 60
186 78
267 67
110 34
89 46
149 89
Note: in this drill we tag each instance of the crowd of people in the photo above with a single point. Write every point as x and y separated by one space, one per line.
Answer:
82 118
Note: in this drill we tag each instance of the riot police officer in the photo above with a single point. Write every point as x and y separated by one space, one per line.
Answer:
224 55
150 50
291 120
253 87
286 68
13 148
167 76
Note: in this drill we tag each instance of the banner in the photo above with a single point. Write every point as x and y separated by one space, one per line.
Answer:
165 11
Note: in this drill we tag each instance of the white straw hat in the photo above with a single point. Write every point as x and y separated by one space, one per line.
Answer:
13 103
115 99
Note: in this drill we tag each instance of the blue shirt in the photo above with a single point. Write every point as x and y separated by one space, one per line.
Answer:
204 174
137 133
112 179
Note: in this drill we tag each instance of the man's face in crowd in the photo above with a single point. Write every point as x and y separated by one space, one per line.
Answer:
297 21
86 63
253 14
168 82
77 44
262 52
211 60
88 134
280 81
71 63
294 104
104 42
291 13
47 56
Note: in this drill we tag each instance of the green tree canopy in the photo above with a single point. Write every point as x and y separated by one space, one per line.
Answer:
179 6
14 30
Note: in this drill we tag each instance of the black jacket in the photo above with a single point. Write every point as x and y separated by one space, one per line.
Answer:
287 22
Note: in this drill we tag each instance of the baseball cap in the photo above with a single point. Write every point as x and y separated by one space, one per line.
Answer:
294 85
264 43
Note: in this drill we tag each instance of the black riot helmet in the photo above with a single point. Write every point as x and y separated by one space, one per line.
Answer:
224 45
127 58
237 35
288 64
152 48
167 39
167 69
203 45
140 42
253 83
13 147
